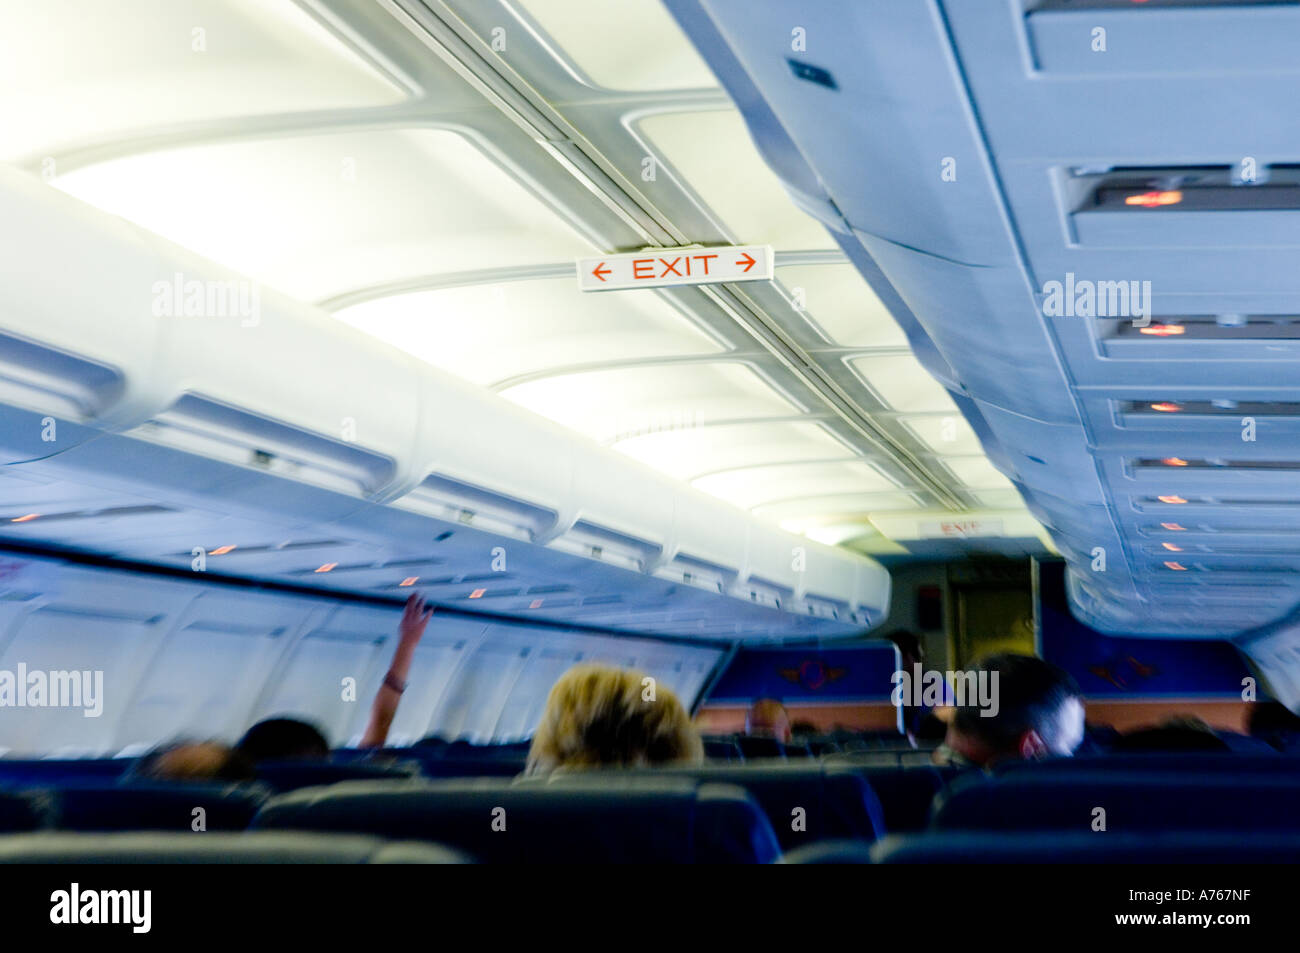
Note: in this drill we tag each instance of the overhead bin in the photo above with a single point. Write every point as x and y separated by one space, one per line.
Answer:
1163 36
303 422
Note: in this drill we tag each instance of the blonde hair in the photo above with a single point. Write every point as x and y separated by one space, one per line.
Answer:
600 715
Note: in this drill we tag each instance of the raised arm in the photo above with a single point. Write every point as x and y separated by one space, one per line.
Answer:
409 631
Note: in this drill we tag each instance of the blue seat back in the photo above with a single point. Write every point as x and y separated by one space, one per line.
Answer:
155 806
1133 803
804 801
577 818
972 847
287 775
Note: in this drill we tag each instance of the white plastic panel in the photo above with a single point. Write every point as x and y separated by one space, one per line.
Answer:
977 473
334 212
716 158
944 434
836 300
756 486
492 333
611 405
55 639
902 384
633 45
695 451
73 71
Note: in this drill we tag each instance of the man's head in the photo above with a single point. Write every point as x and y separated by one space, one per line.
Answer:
767 718
1037 713
280 738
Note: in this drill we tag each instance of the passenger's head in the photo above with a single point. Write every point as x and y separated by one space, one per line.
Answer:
194 761
909 647
1181 733
767 718
599 715
280 738
1036 712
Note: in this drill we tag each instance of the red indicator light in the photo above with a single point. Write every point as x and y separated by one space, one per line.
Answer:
328 567
1154 199
409 581
1163 330
1174 527
477 594
1166 407
221 550
1172 547
1174 462
1177 567
1171 499
25 519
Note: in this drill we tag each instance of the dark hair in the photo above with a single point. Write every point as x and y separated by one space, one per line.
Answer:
1272 721
277 738
908 642
1030 694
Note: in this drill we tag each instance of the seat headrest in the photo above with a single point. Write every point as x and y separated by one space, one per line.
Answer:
581 817
1133 803
272 847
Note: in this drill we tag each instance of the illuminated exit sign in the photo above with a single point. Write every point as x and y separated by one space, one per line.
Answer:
958 529
664 267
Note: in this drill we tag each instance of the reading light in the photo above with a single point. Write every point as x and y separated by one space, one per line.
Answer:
409 581
1154 199
1177 567
477 594
1167 407
222 550
326 568
1174 527
1162 330
1172 547
1171 499
1174 462
25 519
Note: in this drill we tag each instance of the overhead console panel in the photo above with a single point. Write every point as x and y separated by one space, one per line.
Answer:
1087 211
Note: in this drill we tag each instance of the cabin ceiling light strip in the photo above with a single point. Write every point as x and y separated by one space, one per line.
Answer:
545 125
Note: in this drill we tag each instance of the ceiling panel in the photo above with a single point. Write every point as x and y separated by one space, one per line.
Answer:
72 71
977 473
946 434
616 404
713 155
842 306
319 215
693 452
757 485
902 384
531 326
629 45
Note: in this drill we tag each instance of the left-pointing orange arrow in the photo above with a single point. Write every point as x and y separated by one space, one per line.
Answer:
600 271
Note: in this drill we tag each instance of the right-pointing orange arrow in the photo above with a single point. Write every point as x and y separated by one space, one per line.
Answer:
747 261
